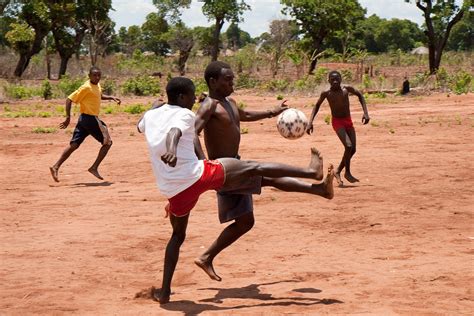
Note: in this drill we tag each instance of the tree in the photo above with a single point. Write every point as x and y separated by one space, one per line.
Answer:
237 38
396 34
181 40
221 11
152 31
35 13
318 19
440 17
170 9
282 32
462 34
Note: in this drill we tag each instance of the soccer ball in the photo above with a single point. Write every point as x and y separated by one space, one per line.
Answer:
292 123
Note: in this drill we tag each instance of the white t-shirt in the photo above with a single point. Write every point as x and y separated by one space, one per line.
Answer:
156 124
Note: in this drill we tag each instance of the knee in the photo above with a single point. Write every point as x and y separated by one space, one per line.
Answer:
245 223
179 237
74 146
108 145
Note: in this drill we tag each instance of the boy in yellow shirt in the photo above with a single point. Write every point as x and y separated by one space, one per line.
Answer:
88 96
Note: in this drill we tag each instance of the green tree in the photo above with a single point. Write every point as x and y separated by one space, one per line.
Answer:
204 39
319 19
35 13
237 38
440 17
171 9
221 11
396 34
462 35
152 31
181 40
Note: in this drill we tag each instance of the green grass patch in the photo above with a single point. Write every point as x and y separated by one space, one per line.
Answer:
44 130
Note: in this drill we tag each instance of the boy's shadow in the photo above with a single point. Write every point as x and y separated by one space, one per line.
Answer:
92 184
248 292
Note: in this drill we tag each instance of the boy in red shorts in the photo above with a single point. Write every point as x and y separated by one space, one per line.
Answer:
338 98
182 175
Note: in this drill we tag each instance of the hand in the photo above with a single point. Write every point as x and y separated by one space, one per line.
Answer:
169 159
64 124
118 101
280 108
365 119
309 129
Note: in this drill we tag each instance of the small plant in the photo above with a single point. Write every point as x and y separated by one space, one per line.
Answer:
458 119
68 85
242 105
44 130
44 114
391 131
110 109
374 123
280 97
244 130
141 86
461 83
277 85
327 119
201 85
244 81
108 86
47 90
366 82
135 109
20 92
380 95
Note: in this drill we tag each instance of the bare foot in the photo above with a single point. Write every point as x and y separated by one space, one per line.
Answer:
161 296
337 175
350 178
328 183
96 174
208 268
54 173
316 164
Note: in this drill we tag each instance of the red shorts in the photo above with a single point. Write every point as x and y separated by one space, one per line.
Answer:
212 179
342 122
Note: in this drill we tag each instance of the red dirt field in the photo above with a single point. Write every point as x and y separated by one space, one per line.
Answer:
400 242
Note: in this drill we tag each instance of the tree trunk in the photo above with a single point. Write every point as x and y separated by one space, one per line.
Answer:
63 66
183 58
22 64
215 44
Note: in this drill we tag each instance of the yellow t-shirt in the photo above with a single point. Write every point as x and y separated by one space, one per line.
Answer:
88 96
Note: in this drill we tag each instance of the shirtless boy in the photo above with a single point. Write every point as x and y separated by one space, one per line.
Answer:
182 177
338 98
221 124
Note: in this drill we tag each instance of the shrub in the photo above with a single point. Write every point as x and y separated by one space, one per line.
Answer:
245 81
20 92
44 130
461 82
47 90
135 109
141 86
108 86
67 85
277 85
201 85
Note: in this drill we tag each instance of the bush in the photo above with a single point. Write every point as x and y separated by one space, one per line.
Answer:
277 85
135 109
461 82
108 87
47 90
246 82
20 92
67 85
141 86
201 86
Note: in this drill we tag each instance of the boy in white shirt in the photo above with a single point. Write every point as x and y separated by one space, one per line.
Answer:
182 173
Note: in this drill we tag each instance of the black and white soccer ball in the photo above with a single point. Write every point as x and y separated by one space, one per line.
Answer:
292 123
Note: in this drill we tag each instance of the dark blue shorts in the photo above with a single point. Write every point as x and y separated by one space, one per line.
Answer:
87 125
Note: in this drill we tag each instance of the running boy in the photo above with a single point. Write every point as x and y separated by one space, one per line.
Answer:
338 98
181 176
88 96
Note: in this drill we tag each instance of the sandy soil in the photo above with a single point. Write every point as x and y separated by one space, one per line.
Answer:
398 243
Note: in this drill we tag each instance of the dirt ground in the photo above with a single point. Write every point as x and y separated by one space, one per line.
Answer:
400 242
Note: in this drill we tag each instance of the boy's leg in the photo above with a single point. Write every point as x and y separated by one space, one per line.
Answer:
228 236
179 225
351 135
237 171
346 158
324 189
102 135
64 156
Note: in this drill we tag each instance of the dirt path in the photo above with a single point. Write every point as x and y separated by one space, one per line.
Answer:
398 243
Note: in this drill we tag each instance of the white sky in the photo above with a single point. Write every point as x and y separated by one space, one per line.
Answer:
256 21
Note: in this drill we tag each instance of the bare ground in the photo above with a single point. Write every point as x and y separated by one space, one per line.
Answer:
400 242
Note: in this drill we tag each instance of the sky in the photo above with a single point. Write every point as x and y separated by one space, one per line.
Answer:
256 21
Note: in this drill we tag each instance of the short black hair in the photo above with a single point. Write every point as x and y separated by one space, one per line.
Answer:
334 72
177 86
214 70
94 68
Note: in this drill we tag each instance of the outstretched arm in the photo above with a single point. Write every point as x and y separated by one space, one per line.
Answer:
365 117
109 97
315 111
249 116
172 140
